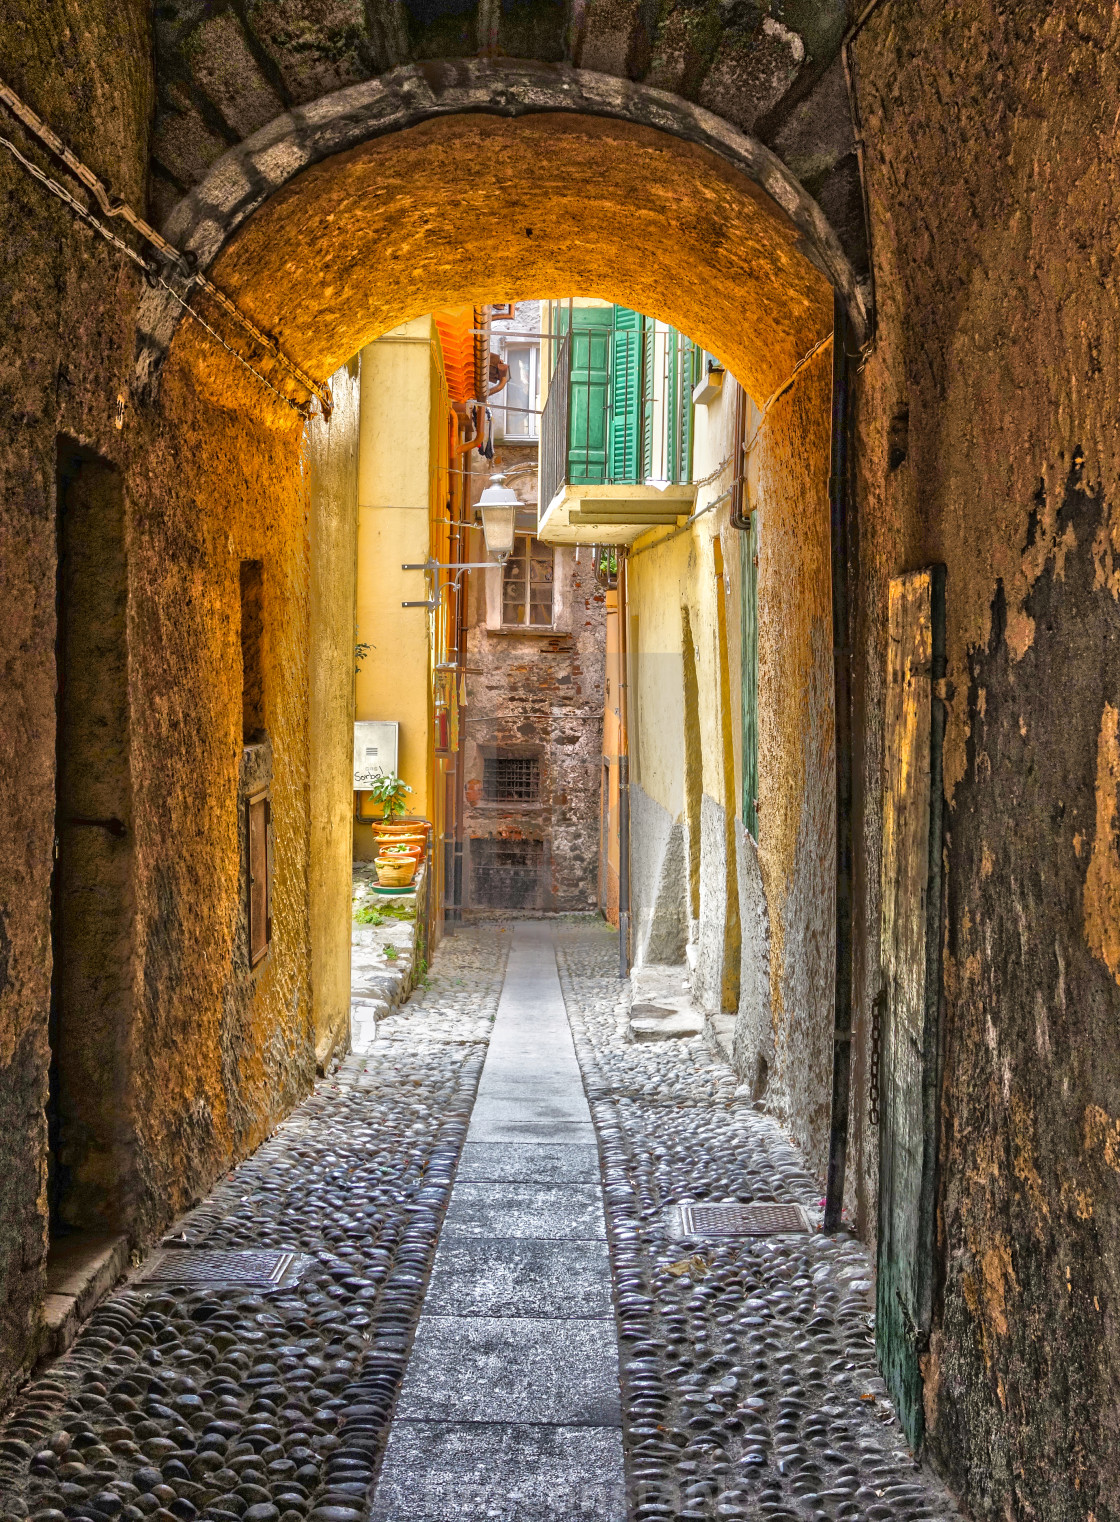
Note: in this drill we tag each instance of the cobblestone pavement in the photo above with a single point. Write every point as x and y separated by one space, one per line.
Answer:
749 1380
748 1376
249 1404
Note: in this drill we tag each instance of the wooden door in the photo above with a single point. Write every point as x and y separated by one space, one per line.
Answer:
909 1002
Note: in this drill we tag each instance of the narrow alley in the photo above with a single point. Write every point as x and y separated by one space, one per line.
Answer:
404 1300
559 761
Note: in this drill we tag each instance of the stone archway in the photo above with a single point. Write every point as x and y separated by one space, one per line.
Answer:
411 167
479 182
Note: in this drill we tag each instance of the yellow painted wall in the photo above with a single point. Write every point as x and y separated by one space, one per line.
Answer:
608 826
394 510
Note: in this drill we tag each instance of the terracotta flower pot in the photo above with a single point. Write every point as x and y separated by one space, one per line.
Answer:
389 828
395 871
401 848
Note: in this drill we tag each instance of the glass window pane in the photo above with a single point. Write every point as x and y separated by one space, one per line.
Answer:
518 391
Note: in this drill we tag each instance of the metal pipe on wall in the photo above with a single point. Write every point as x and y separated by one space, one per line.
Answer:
841 512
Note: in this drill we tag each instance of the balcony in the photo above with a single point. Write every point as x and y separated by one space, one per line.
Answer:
616 430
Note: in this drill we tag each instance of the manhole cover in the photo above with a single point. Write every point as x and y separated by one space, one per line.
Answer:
741 1220
182 1266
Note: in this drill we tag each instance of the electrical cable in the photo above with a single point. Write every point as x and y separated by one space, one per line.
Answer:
113 206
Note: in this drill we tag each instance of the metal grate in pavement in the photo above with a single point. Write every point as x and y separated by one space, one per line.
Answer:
764 1220
256 1267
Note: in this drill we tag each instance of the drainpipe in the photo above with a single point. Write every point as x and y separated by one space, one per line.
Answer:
623 777
841 509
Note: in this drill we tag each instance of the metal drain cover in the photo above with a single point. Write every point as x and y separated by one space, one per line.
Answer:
764 1220
267 1270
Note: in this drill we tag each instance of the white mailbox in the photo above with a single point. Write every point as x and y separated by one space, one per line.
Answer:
375 750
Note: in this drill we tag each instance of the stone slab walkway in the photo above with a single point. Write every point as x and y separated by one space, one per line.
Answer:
510 1406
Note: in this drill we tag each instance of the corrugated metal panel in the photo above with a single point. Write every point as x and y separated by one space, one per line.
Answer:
455 327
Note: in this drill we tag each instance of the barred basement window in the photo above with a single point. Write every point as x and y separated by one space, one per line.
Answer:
511 779
527 584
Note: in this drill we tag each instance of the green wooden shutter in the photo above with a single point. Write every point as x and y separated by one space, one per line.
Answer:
626 397
690 374
649 372
682 367
588 411
748 646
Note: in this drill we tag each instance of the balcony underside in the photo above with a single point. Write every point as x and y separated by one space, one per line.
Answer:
588 514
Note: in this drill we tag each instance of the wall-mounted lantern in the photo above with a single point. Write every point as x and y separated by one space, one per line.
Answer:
499 506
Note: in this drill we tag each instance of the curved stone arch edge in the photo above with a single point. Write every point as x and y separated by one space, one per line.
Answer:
242 180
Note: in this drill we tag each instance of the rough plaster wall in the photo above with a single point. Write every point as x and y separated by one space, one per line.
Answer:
989 440
215 1056
331 452
66 348
789 485
658 882
707 976
753 1049
219 1055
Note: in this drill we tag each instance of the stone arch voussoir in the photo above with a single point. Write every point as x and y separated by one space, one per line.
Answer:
244 179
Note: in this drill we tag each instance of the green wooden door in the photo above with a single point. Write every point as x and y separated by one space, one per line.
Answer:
625 459
748 647
588 442
908 1004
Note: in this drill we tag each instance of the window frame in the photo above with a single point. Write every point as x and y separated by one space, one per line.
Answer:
260 798
530 343
525 624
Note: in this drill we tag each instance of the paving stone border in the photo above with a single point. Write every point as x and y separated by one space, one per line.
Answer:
748 1370
234 1404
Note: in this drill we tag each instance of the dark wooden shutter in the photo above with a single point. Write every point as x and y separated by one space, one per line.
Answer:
748 644
258 810
909 1003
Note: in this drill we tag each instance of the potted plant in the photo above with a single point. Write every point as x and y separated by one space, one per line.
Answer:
390 792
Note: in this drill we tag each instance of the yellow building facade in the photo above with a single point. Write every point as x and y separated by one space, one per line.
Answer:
415 431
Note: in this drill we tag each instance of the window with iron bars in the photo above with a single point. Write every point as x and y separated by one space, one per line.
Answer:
511 779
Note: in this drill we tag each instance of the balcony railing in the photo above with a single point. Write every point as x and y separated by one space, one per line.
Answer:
618 410
554 428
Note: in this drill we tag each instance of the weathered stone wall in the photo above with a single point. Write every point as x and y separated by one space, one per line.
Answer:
225 72
541 694
989 441
66 348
